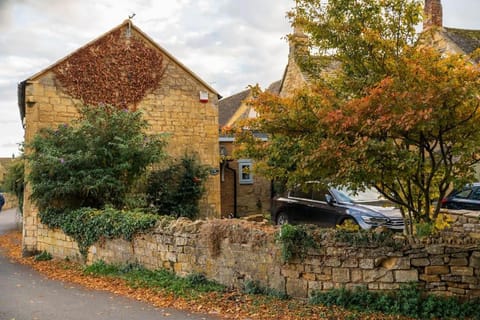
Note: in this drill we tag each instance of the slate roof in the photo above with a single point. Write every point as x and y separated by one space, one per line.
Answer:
275 87
229 105
467 40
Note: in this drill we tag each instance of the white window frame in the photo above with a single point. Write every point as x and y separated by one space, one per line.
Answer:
242 163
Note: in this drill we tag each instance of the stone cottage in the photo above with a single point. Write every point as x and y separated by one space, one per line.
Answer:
447 40
126 68
242 192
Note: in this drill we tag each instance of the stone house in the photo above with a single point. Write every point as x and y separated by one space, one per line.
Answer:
242 192
446 39
126 68
233 108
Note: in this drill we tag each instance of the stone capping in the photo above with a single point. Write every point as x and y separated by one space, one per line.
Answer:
232 251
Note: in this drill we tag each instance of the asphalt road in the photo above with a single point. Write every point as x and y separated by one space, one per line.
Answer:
27 295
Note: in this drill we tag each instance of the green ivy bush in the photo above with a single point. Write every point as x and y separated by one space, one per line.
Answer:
408 301
87 225
177 189
92 162
368 238
295 241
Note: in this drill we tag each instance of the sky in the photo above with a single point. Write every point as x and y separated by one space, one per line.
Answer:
230 44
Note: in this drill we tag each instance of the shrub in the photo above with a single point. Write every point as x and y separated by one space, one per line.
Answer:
161 279
43 256
177 190
366 238
92 162
14 180
295 241
255 288
408 301
87 225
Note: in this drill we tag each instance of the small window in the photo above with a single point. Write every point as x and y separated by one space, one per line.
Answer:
245 171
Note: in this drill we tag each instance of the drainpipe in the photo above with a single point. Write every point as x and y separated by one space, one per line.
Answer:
227 166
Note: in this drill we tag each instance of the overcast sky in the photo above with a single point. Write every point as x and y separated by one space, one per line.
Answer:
228 43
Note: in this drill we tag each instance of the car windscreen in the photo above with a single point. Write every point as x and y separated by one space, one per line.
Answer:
341 196
360 196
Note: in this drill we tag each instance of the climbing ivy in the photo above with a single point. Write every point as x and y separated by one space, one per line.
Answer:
117 69
86 225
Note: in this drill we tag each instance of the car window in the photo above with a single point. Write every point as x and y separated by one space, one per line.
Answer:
464 194
300 193
342 196
475 194
319 195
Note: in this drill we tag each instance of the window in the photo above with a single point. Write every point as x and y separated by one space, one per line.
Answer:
245 171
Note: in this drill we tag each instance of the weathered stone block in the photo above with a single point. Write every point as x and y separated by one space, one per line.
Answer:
435 249
461 271
332 262
458 262
314 286
298 288
437 270
406 275
367 263
341 275
420 262
429 278
375 275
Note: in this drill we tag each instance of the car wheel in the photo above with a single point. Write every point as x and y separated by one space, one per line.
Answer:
282 218
349 224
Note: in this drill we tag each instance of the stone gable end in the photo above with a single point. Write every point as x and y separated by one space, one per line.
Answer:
169 99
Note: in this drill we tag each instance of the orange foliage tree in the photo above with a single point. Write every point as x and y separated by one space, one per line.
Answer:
396 115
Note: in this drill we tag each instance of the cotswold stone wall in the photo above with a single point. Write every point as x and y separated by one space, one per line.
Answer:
233 251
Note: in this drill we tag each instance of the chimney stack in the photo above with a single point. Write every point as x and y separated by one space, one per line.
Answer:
298 42
433 14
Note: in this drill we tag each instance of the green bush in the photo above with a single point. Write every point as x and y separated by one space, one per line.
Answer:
255 288
43 256
14 181
295 241
87 225
161 279
408 301
177 190
366 238
92 162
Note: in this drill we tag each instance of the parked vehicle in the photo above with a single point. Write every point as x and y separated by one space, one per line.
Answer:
468 198
331 207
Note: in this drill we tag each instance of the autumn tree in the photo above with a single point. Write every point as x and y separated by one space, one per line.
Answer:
394 115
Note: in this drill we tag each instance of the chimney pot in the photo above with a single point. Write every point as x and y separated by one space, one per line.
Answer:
433 14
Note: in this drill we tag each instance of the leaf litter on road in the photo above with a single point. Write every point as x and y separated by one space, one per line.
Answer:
226 305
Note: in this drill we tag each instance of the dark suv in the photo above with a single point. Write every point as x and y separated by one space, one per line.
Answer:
332 207
467 198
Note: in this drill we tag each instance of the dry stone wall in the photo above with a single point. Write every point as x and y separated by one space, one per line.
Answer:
234 251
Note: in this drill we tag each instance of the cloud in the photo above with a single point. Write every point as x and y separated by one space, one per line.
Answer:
228 43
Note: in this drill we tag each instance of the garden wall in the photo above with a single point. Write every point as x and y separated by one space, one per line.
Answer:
233 251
